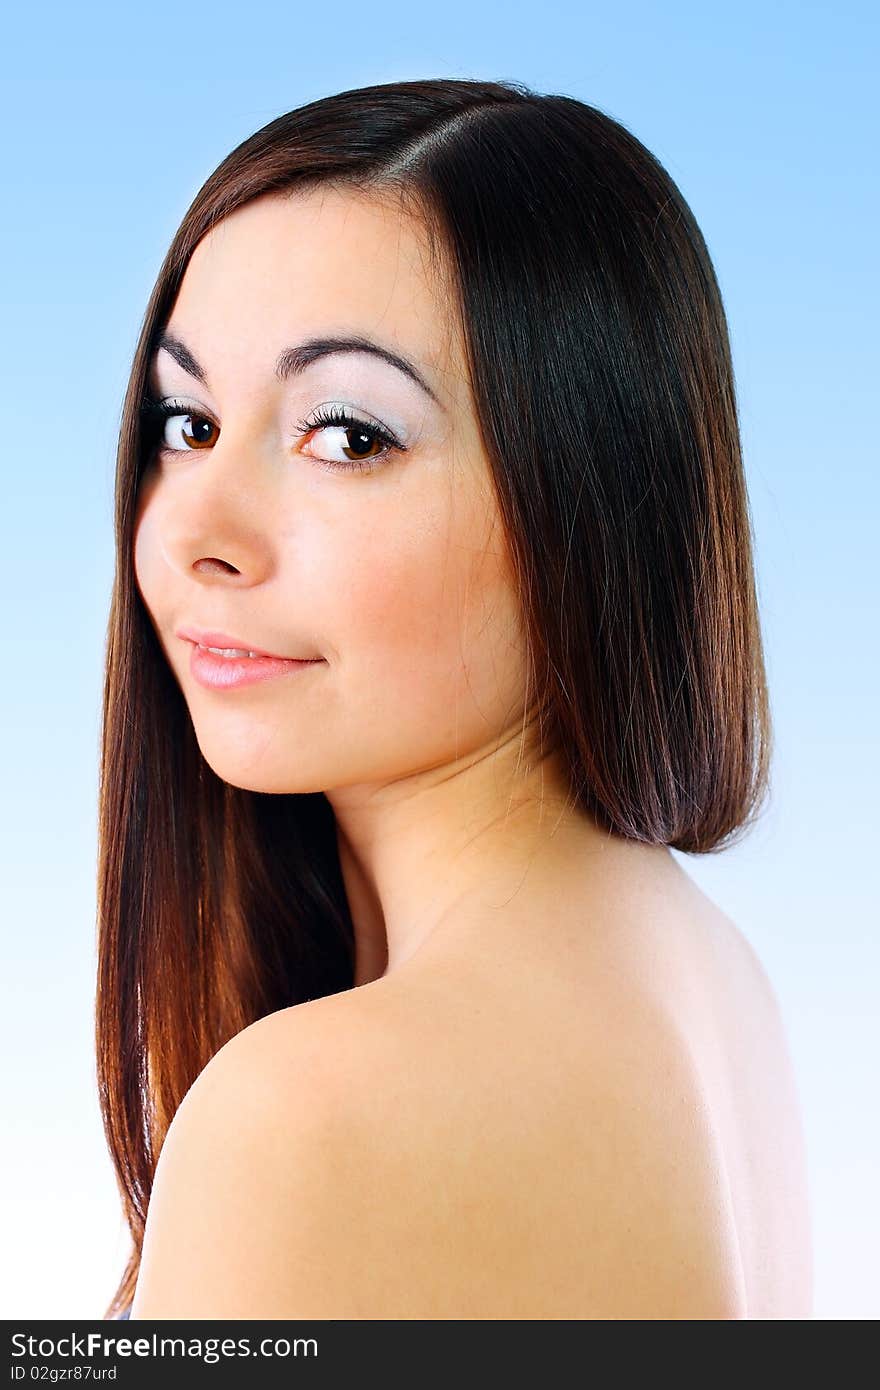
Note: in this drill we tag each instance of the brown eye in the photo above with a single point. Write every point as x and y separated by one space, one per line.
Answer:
160 418
194 430
358 442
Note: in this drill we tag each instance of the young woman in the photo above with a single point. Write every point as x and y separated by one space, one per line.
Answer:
434 630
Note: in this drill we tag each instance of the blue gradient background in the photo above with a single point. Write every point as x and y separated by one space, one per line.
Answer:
111 120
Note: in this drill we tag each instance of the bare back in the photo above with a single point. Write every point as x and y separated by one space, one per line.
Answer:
739 1039
506 1040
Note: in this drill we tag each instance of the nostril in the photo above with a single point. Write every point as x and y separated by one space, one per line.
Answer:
213 566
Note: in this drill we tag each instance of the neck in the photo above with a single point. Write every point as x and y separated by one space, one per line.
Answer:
418 852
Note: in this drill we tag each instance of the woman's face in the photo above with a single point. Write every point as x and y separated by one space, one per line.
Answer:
397 576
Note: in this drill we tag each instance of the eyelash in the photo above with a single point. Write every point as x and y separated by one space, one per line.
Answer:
156 412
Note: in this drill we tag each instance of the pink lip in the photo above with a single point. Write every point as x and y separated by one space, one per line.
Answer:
222 639
229 672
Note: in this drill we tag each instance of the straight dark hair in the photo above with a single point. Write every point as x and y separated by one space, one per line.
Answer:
601 373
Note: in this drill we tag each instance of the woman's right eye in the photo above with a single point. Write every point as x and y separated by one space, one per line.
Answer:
195 431
158 415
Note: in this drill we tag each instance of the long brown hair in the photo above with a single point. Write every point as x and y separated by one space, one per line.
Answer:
601 371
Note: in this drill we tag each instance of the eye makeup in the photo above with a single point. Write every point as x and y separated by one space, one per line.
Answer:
156 412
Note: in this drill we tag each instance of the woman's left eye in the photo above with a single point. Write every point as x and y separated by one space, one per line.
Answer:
358 437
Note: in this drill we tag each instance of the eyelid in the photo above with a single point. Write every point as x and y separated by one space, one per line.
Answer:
327 416
336 414
160 405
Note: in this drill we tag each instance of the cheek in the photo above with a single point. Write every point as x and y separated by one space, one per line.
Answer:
154 581
429 634
145 553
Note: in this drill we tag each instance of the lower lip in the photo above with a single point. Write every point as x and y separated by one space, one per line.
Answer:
226 672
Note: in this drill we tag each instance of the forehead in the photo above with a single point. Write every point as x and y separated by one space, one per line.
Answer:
322 260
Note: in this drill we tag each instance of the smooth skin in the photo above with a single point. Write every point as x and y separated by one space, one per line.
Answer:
560 1087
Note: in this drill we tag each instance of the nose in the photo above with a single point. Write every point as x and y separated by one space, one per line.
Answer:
218 518
214 566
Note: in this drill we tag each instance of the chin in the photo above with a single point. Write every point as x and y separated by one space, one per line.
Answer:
266 774
269 785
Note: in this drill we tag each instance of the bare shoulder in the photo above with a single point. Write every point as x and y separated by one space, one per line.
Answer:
232 1229
395 1152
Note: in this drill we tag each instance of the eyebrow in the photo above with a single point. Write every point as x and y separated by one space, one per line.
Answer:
295 360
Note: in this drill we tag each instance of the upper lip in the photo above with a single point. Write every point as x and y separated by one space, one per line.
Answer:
205 638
